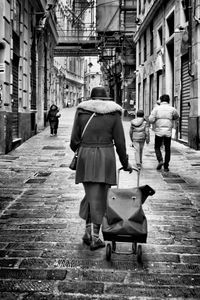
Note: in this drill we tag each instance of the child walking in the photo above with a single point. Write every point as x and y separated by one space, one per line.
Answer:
139 133
53 116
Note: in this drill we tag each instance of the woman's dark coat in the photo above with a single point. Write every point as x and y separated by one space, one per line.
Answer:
96 159
53 117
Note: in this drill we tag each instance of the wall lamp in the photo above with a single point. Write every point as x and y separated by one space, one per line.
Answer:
197 19
179 29
138 21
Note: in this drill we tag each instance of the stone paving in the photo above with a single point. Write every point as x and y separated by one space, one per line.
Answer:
41 252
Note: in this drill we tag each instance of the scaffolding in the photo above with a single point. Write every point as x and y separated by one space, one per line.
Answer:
95 26
77 30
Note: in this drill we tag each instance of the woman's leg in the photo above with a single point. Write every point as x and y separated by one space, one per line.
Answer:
84 213
51 129
55 131
88 222
56 128
87 237
96 196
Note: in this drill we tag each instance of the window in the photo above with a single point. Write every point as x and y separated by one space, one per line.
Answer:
139 6
145 46
151 39
130 16
160 36
139 52
16 17
170 24
144 95
159 84
185 5
151 84
139 94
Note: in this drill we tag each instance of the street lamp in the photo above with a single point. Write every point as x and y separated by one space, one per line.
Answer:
90 66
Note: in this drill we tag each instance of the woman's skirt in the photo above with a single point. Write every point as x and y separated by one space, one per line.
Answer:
96 164
94 201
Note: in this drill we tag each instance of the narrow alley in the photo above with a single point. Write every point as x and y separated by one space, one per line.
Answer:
41 250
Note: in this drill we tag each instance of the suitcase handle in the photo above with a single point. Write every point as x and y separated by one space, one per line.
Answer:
133 169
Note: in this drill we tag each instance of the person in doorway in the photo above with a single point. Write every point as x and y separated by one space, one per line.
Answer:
139 133
96 164
162 116
53 118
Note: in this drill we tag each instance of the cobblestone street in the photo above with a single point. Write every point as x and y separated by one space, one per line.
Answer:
41 250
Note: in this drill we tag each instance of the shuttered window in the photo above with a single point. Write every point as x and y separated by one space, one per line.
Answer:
33 75
185 98
15 75
15 97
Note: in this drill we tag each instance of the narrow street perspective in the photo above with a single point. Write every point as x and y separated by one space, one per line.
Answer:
41 251
113 85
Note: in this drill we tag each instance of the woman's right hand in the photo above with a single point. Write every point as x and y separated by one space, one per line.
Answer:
129 168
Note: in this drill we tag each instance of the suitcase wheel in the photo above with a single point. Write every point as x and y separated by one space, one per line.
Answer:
139 254
134 247
108 252
113 246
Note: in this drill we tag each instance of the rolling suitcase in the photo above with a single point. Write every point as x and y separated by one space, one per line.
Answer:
124 220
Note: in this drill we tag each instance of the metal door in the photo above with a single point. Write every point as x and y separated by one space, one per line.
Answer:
185 98
15 122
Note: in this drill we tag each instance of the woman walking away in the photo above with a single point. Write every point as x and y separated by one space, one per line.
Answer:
139 133
96 164
53 116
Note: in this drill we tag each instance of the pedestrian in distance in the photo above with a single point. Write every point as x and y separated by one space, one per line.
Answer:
139 133
163 117
53 118
96 164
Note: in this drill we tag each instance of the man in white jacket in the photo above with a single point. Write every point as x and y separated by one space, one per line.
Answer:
162 116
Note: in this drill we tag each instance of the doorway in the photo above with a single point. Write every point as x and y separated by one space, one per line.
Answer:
170 70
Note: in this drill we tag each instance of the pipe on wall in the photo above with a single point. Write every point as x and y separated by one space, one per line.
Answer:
190 38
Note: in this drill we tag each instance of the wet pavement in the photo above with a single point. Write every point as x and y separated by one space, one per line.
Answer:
41 251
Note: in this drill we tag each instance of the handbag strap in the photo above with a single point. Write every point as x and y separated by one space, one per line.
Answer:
86 125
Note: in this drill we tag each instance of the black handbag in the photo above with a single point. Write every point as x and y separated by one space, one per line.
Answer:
73 163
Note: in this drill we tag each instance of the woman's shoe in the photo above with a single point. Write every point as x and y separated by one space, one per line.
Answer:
87 238
96 244
159 166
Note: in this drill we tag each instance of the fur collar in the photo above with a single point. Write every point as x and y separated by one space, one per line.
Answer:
100 106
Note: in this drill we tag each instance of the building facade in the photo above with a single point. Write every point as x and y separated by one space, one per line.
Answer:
92 76
32 77
168 61
117 53
27 39
67 86
70 67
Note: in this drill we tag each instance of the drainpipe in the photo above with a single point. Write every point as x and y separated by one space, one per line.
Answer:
190 39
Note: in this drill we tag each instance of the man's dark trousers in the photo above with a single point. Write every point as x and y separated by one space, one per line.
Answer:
159 140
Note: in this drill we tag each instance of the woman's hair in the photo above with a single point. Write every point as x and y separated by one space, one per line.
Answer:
53 105
140 113
165 98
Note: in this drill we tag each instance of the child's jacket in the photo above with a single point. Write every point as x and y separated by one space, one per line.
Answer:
139 130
